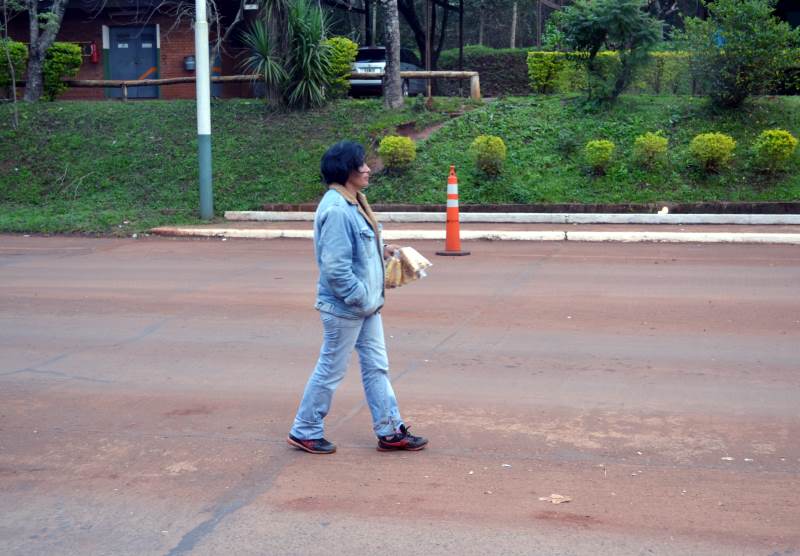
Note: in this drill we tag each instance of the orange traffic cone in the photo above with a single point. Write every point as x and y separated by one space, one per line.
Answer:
452 243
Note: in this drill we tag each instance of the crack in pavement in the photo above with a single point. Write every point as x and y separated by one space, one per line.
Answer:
145 332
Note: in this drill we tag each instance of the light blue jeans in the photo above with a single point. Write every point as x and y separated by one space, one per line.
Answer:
340 336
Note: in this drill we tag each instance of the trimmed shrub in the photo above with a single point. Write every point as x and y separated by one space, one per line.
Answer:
650 148
712 151
489 152
544 69
397 152
598 154
342 53
62 60
662 72
19 59
773 149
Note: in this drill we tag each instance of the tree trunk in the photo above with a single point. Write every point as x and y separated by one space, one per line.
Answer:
34 85
481 25
406 7
11 70
514 26
374 27
392 85
277 25
39 43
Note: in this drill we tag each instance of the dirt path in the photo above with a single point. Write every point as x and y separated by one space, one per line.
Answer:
407 130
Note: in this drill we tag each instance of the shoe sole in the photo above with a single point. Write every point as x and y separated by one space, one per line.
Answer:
400 448
307 449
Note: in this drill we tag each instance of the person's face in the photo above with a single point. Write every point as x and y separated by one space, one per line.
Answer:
359 178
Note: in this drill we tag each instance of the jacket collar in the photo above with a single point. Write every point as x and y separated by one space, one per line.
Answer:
360 201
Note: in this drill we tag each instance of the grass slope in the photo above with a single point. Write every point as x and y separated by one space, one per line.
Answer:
545 137
111 167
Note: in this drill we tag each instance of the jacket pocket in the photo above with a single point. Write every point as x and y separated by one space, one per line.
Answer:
368 242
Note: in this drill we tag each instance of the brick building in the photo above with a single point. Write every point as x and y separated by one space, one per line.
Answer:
130 39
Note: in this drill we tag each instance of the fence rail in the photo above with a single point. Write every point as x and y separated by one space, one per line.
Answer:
474 80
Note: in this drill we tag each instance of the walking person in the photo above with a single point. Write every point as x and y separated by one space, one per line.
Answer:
350 294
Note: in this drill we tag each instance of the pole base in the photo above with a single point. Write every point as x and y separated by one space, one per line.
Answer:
452 253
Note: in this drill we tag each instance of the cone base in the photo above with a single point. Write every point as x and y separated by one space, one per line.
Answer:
452 253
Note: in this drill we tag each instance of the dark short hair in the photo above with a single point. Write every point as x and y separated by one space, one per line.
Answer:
341 159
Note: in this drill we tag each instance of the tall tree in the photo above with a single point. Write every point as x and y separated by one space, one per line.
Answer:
408 10
514 26
392 85
43 28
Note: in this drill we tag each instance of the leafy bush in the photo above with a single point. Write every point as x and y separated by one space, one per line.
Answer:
397 152
62 60
621 25
650 148
773 148
567 142
742 49
489 152
665 72
544 69
566 72
598 154
342 55
19 58
712 151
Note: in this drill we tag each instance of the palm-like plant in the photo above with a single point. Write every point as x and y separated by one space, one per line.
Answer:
308 63
298 68
262 60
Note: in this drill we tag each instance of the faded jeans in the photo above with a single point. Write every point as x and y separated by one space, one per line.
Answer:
340 336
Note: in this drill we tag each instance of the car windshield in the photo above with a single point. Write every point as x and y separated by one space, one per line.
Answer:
371 55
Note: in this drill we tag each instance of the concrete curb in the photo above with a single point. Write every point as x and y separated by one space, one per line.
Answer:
538 218
492 235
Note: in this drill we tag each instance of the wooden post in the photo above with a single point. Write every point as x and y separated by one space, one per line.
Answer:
475 87
124 92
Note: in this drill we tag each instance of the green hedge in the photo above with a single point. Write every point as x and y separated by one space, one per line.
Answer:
63 60
564 72
19 58
503 71
343 53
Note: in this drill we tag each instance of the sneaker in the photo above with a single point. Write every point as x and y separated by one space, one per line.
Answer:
313 446
401 440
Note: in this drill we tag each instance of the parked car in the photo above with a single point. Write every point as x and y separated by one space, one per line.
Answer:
372 59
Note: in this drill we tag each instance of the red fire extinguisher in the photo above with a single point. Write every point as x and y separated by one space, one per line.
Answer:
94 53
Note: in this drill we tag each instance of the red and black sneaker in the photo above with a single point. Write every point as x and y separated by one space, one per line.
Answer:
313 446
401 440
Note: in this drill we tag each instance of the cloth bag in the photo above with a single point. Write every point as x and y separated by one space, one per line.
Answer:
405 265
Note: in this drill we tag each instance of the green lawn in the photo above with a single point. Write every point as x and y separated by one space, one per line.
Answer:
113 167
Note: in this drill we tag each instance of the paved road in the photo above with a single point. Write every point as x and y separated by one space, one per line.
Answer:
146 387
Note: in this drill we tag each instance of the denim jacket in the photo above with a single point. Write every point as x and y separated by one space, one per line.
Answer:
348 248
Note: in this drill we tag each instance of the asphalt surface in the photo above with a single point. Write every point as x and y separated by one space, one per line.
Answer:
146 388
